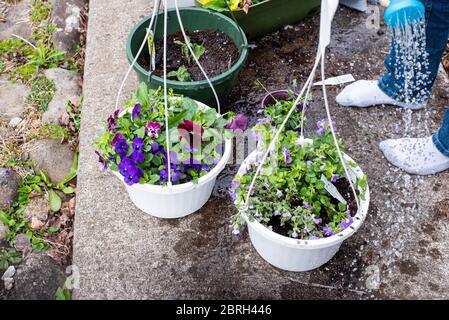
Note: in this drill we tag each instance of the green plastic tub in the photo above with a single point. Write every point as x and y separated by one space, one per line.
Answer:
192 19
269 15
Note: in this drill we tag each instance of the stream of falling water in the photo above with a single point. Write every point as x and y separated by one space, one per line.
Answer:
411 62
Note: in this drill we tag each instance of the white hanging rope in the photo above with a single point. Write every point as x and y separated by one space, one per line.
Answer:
155 9
167 134
186 39
320 56
340 155
305 105
276 136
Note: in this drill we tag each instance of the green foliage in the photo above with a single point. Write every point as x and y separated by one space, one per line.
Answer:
74 113
290 188
15 218
50 130
42 92
63 294
198 49
9 258
182 74
198 145
14 54
40 11
46 57
39 184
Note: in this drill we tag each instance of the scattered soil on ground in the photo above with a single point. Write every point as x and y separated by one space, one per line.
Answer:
220 55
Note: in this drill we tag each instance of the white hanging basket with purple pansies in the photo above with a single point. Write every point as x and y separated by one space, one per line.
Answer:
300 197
166 148
167 184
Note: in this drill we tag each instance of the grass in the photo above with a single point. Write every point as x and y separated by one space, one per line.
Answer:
53 131
42 92
41 11
14 57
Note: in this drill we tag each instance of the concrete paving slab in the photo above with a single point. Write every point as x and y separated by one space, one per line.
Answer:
400 251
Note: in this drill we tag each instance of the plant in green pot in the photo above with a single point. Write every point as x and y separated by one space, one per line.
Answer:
202 49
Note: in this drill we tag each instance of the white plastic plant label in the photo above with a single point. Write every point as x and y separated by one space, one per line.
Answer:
336 80
332 190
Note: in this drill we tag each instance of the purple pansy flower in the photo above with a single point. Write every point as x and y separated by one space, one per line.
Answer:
136 112
306 205
117 137
177 174
233 195
258 216
137 156
346 223
313 238
327 230
156 148
286 154
320 131
335 178
317 220
239 123
133 175
102 160
112 120
325 124
295 235
121 147
348 213
306 230
153 129
138 144
235 184
276 213
125 165
287 214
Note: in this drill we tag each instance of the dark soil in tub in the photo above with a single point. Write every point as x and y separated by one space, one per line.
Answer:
345 190
220 55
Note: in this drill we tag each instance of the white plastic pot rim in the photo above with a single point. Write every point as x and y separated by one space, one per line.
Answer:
180 188
359 218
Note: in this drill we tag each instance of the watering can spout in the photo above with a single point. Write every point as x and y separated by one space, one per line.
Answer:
328 9
403 12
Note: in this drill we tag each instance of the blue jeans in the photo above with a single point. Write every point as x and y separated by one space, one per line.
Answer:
437 34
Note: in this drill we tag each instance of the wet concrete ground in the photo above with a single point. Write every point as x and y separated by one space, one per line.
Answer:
399 252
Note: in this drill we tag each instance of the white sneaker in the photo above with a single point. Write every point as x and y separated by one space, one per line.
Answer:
366 93
415 155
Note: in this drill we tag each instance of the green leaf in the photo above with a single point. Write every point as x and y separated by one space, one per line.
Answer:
4 218
182 74
140 132
54 200
63 294
198 49
53 229
72 174
68 190
143 95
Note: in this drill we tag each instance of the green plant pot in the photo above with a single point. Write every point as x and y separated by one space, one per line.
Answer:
192 19
270 15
